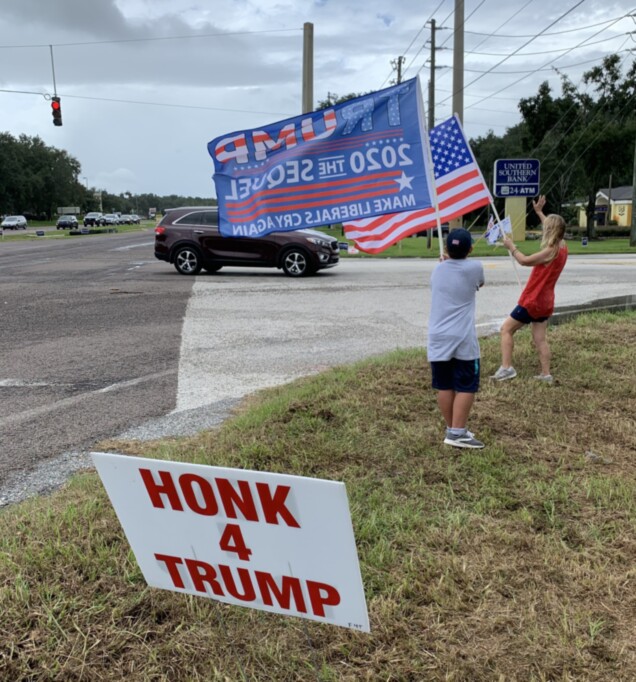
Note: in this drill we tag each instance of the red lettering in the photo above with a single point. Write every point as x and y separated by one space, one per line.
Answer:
155 491
208 506
248 593
321 594
171 563
267 582
202 573
232 498
274 506
232 541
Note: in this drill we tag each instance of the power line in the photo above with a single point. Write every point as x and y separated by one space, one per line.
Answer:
151 104
551 68
140 40
554 33
542 66
412 41
532 54
580 2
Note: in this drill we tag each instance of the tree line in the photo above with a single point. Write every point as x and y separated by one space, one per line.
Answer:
36 179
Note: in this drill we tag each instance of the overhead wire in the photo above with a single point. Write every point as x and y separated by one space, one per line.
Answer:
509 85
152 39
556 21
433 13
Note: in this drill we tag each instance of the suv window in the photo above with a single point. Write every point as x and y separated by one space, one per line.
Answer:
189 219
210 218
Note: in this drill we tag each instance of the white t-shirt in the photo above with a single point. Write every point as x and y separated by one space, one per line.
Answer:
451 326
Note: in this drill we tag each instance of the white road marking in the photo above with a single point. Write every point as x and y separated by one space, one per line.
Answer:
73 400
132 246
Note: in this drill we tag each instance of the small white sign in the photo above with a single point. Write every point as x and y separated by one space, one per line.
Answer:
274 542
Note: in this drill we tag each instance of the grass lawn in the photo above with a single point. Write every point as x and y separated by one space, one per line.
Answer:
513 563
415 247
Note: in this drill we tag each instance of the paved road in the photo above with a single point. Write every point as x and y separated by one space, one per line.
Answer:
98 338
244 331
89 337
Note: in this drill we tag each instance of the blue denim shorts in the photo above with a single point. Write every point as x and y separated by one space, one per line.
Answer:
461 376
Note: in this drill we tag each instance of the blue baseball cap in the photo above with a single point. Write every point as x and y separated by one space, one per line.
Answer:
458 243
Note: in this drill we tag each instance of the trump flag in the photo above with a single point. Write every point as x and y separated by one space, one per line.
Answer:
358 159
459 185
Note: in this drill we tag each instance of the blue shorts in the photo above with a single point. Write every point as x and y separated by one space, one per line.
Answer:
461 376
522 315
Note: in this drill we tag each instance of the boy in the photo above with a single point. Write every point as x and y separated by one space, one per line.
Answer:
453 348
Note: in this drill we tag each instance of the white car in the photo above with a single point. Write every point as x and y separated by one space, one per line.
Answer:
110 219
14 222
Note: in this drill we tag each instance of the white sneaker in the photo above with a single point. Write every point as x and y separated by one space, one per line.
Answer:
504 373
545 378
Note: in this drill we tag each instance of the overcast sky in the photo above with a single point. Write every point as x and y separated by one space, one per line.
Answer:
146 84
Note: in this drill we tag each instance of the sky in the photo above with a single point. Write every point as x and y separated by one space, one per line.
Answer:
146 84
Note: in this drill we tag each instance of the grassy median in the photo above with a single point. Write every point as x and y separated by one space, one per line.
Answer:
513 563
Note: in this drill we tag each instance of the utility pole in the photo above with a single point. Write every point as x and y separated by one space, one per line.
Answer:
458 61
431 82
632 232
308 67
396 64
458 75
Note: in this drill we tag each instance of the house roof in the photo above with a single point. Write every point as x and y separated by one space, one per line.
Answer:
618 193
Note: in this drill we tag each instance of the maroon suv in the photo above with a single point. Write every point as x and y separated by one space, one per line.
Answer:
190 238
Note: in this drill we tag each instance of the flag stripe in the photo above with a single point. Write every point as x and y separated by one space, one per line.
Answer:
459 185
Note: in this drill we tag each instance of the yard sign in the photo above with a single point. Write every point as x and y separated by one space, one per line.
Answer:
267 541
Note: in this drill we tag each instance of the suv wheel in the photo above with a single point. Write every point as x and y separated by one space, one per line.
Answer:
295 263
187 261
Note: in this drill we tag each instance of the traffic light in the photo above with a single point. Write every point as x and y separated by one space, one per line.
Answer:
56 110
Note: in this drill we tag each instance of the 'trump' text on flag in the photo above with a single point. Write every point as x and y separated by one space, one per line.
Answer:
358 159
460 189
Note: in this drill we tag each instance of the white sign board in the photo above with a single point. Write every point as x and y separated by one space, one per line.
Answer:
274 542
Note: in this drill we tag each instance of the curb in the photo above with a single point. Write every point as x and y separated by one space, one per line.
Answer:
613 304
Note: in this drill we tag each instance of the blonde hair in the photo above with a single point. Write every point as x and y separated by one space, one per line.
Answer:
553 231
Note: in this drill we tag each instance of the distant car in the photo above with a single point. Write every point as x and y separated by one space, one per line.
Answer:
189 238
65 221
110 219
93 219
14 222
134 219
124 219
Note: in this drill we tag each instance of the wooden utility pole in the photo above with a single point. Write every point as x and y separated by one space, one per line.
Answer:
397 66
308 67
458 61
632 232
431 82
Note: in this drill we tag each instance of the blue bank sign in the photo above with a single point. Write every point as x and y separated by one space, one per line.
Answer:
516 178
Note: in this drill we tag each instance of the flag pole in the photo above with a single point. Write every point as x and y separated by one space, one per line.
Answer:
514 262
429 167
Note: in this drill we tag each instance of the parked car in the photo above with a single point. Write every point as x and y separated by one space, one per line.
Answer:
14 222
93 219
65 221
124 219
134 219
189 238
110 219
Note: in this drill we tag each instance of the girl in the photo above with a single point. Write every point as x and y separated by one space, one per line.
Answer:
537 299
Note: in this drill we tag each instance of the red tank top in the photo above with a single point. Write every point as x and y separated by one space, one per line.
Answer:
538 296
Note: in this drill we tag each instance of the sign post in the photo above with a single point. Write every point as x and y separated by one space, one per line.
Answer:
515 180
266 541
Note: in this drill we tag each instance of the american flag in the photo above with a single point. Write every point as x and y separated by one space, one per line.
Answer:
459 185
